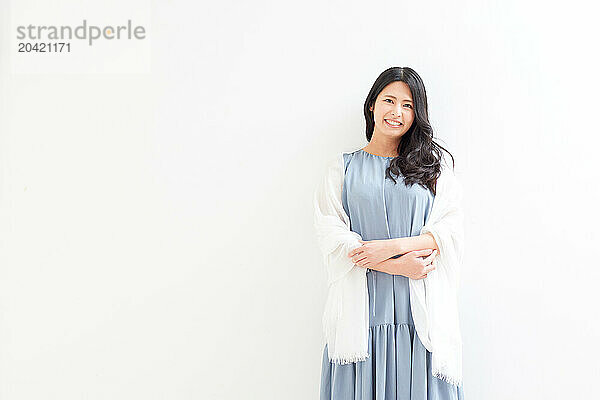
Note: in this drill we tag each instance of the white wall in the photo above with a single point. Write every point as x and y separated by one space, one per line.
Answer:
156 236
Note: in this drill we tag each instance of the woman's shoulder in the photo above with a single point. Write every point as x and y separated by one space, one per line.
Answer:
447 182
351 154
341 157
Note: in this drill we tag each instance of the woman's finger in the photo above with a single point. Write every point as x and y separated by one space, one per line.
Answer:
420 253
358 259
354 252
429 259
429 268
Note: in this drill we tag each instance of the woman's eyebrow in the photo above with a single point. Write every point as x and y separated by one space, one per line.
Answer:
394 97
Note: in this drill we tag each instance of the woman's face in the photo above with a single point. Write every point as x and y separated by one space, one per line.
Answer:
393 110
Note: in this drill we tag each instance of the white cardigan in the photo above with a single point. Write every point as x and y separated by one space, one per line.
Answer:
433 299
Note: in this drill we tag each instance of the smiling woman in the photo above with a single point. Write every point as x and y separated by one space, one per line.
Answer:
402 119
381 213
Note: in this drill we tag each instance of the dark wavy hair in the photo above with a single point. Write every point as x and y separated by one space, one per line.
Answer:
419 156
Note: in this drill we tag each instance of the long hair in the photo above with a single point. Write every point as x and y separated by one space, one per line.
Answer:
419 156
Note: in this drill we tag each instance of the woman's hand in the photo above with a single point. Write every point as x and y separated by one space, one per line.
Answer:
373 252
413 266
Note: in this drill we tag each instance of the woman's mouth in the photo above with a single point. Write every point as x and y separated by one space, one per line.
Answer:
393 124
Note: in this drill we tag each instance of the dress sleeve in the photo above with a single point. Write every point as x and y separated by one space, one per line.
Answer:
332 224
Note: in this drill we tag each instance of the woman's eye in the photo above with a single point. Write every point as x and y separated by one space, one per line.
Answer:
387 99
410 105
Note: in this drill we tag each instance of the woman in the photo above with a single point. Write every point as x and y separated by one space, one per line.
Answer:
389 224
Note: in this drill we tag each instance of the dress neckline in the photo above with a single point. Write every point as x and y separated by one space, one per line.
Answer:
375 155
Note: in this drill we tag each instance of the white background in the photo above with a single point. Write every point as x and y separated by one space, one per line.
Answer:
156 236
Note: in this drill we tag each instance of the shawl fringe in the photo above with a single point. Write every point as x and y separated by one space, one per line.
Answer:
349 359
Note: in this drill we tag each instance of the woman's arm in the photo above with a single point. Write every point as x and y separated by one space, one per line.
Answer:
332 224
373 252
415 265
411 243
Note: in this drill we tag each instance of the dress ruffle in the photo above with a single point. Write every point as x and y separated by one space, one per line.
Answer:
395 370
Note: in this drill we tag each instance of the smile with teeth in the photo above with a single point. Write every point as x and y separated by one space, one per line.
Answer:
392 124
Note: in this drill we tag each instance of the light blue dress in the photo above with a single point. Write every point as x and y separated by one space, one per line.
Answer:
399 367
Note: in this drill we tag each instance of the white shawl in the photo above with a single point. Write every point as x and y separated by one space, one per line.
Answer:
433 299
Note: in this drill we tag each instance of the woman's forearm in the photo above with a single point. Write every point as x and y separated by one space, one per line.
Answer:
412 243
388 266
392 266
